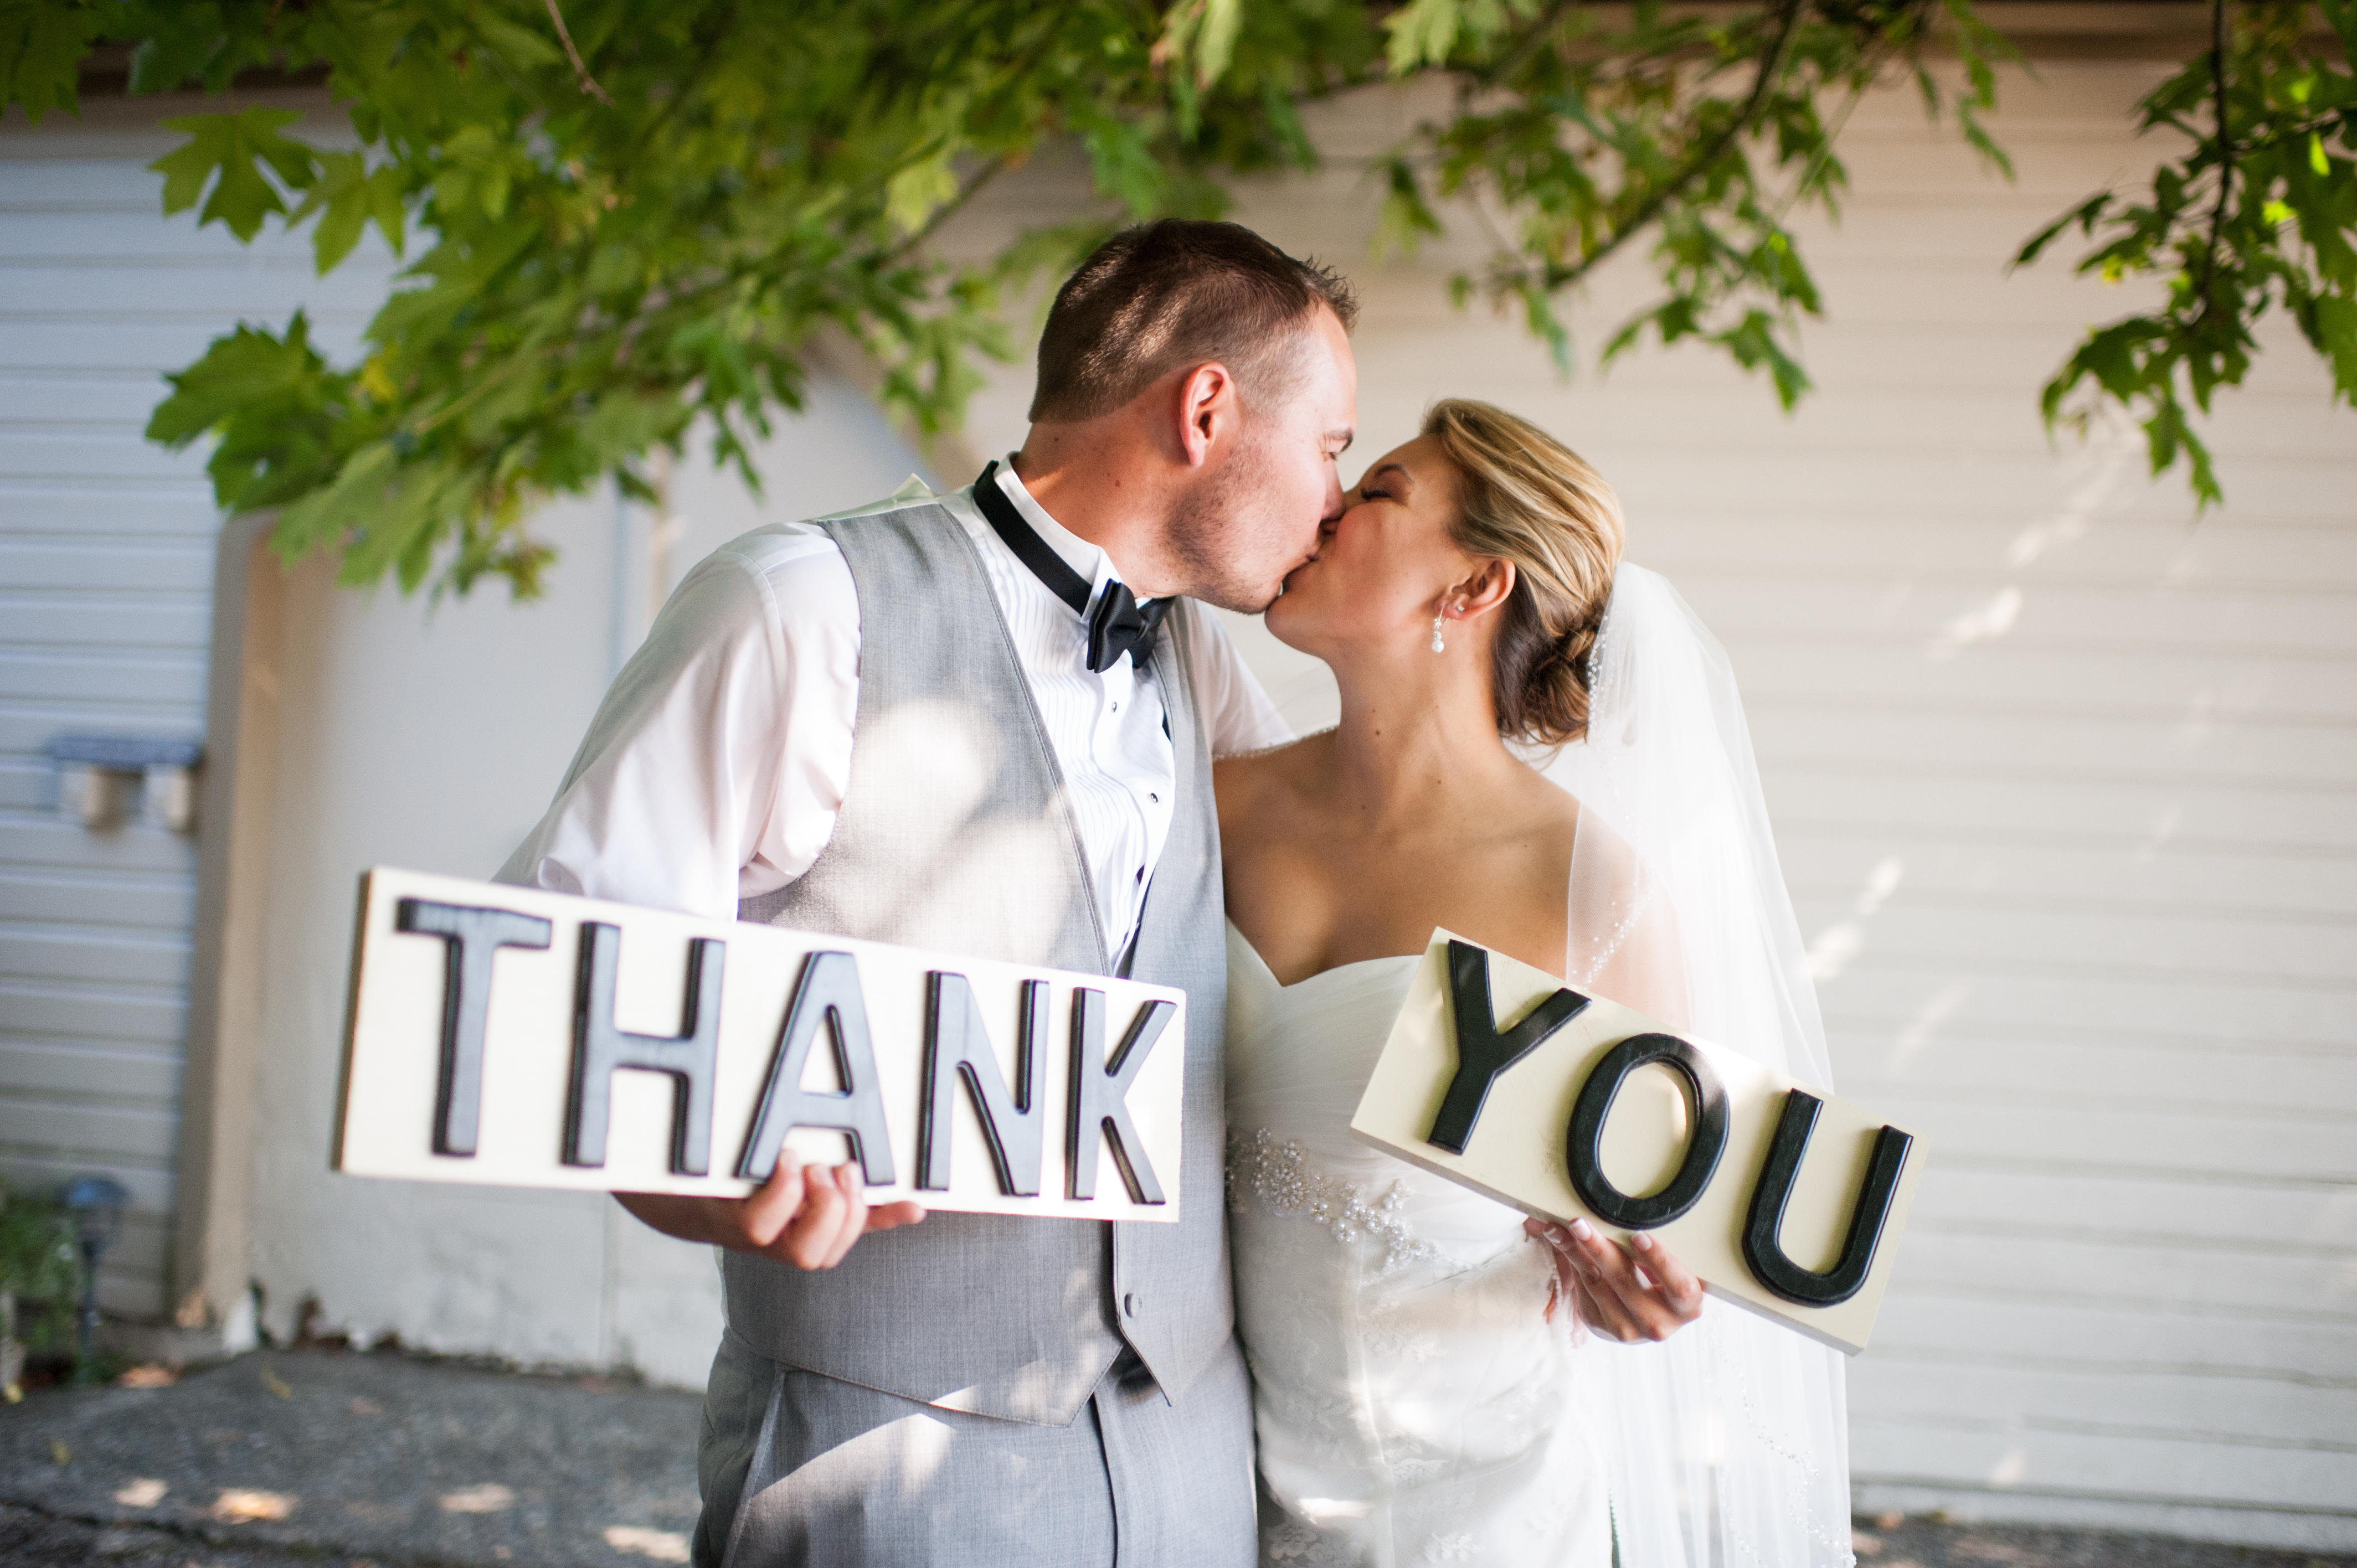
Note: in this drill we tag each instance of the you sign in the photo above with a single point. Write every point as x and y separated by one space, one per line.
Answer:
514 1037
1782 1200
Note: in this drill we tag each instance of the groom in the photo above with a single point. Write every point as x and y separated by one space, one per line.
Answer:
983 722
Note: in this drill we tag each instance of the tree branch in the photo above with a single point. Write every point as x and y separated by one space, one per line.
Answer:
2225 156
564 36
1559 276
1528 44
948 209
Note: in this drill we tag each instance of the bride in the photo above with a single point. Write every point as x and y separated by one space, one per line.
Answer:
1429 1385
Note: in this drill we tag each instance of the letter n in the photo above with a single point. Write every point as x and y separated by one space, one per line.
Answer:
827 996
600 1049
957 1047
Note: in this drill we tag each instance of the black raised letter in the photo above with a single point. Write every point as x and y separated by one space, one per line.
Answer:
1482 1053
472 939
957 1045
1706 1139
599 1048
827 993
1100 1097
1765 1253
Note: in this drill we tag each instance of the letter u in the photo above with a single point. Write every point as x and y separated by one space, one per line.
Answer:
1765 1253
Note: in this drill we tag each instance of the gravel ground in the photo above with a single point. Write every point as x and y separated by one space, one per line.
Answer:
276 1455
330 1460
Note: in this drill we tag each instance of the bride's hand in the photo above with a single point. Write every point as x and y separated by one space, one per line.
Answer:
1622 1293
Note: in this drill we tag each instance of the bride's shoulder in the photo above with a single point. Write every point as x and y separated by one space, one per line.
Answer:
1250 783
1285 759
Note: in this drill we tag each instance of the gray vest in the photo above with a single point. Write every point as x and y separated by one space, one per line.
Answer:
955 834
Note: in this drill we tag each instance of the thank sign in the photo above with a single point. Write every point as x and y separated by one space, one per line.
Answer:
509 1036
1780 1199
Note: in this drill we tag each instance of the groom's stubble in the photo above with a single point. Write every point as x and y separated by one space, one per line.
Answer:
1232 544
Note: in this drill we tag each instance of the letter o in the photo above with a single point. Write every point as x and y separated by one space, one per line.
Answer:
1705 1142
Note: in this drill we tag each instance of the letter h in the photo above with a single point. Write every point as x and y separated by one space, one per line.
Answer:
599 1048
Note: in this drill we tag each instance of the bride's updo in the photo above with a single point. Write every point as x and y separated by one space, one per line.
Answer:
1525 497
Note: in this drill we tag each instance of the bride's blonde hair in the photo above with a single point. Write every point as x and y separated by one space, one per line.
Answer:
1525 497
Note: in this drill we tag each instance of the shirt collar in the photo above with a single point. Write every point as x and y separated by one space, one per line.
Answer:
1089 560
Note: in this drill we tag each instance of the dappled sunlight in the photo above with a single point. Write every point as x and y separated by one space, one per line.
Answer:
898 1458
1986 623
145 1493
636 1541
487 1497
241 1506
2106 462
1833 948
1925 1028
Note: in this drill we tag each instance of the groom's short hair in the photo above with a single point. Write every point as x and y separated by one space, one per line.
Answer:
1172 294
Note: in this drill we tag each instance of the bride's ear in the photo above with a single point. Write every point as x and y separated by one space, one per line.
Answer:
1490 586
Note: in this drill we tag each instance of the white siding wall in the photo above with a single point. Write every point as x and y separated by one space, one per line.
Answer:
106 567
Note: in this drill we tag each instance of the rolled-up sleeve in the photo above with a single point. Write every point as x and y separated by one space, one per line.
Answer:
1237 712
716 764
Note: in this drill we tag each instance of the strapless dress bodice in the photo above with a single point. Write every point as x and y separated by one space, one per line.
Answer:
1412 1404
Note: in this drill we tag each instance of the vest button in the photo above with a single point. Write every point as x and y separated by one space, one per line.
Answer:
1129 1304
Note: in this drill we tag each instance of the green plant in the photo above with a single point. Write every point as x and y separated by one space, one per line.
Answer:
40 1267
622 220
2258 210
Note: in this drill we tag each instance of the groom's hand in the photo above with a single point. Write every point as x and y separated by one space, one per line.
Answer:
805 1215
1639 1291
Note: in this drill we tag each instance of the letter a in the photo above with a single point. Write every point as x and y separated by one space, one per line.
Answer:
828 994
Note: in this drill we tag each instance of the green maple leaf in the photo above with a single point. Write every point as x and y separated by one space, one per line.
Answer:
230 152
41 46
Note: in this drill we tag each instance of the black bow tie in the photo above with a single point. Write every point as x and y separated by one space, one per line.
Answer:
1118 624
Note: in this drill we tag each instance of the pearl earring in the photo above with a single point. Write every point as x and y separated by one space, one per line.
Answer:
1437 645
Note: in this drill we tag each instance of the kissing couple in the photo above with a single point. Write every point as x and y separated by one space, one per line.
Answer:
1003 722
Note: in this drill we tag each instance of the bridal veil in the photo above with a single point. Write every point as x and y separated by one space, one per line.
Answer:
1729 1443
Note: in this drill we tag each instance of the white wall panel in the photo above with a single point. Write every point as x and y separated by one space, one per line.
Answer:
106 566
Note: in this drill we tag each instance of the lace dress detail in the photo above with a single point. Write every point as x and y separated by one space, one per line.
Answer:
1413 1404
1291 1187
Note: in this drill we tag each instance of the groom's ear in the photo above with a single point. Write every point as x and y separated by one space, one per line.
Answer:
1208 411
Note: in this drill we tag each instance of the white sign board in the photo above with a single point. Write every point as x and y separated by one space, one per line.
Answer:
513 1037
1781 1199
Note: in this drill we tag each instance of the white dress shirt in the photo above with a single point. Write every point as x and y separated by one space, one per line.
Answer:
718 762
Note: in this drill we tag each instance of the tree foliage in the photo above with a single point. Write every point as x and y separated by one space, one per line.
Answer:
619 220
2258 212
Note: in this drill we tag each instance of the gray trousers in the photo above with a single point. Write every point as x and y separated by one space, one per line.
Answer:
799 1470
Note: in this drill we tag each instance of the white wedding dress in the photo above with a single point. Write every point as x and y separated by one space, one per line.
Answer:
1412 1404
